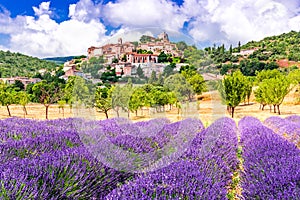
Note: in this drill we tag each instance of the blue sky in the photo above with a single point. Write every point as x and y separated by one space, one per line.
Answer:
69 27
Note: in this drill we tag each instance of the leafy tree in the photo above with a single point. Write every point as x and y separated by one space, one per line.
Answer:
121 97
103 101
47 93
180 86
232 90
23 100
274 90
18 85
109 76
152 78
169 70
137 99
140 72
181 45
260 96
248 88
294 76
195 80
267 74
7 96
160 80
162 57
61 105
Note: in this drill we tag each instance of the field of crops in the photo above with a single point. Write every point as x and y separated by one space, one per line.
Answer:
156 159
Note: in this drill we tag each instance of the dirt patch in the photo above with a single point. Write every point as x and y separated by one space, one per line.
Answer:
210 106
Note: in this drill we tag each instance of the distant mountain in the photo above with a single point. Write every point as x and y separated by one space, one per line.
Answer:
17 64
59 60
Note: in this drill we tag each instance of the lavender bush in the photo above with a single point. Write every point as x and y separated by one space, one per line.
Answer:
271 163
289 129
203 172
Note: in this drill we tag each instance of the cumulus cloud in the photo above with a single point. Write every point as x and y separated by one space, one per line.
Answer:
143 14
230 21
207 21
44 8
42 36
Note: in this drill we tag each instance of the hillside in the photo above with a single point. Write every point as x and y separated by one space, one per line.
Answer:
276 48
17 64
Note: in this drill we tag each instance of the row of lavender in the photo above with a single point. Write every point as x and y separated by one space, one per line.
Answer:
204 170
60 159
271 160
117 159
47 160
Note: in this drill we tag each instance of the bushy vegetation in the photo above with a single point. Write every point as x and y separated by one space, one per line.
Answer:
17 64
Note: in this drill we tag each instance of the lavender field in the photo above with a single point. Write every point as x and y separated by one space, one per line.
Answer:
156 159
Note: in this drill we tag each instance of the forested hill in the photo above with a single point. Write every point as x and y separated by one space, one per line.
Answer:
284 46
59 60
17 64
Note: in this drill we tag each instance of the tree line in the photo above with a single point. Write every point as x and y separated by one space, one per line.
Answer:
104 97
271 87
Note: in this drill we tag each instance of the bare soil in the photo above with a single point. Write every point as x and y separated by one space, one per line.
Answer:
208 110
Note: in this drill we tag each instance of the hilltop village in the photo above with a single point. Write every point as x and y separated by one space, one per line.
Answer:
126 57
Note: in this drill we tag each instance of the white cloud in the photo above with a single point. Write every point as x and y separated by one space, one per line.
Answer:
42 36
208 21
230 21
144 14
84 10
44 9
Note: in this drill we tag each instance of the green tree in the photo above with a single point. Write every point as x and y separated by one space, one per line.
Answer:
180 86
275 90
248 88
195 80
103 101
232 90
61 105
18 85
267 74
140 72
260 96
121 97
169 70
136 99
162 57
7 96
23 100
181 45
152 78
109 76
47 94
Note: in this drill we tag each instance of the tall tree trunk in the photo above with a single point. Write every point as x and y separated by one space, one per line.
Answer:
274 108
8 110
25 110
232 112
63 112
118 113
278 109
136 113
106 114
128 114
47 108
263 107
